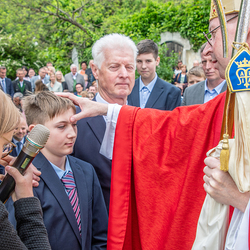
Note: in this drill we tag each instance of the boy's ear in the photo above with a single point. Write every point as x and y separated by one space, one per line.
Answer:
31 126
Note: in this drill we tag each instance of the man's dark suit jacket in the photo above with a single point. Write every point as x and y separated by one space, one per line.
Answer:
87 146
9 87
164 96
195 94
58 215
27 87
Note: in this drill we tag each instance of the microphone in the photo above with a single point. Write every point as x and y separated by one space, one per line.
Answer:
34 142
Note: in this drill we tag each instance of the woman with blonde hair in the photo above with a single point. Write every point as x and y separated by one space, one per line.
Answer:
31 232
60 78
54 85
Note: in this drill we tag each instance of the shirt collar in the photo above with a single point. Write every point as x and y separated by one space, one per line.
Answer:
150 85
101 100
16 141
59 171
216 89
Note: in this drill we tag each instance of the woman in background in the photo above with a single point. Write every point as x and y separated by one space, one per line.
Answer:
31 232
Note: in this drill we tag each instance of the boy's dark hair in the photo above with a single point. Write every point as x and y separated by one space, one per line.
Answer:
146 47
44 106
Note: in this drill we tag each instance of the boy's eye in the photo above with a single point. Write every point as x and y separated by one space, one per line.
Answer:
61 127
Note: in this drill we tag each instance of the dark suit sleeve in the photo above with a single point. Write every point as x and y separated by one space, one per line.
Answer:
28 86
174 99
30 227
100 217
184 98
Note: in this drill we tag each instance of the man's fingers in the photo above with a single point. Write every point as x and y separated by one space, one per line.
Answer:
13 172
70 96
212 162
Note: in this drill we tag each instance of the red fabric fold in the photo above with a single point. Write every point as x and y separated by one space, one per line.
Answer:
157 175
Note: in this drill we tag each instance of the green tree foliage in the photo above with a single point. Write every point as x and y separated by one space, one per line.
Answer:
33 32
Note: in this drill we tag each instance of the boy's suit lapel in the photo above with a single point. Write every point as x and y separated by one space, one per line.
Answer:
155 94
55 185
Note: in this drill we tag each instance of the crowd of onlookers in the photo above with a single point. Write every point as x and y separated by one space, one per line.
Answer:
183 78
27 81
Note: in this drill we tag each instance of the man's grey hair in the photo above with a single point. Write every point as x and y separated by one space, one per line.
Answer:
111 41
18 94
72 65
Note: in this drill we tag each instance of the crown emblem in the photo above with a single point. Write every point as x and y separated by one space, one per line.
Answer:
238 71
243 64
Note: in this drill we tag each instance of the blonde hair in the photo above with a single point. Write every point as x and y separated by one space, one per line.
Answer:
44 106
9 114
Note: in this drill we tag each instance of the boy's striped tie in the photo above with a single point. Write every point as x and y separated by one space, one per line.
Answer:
69 183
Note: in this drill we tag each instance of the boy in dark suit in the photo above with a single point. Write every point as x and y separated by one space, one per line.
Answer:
74 211
150 91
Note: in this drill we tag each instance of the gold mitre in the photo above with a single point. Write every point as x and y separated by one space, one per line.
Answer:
230 6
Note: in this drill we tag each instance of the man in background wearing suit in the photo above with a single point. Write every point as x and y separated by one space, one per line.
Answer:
73 78
114 67
5 83
206 90
21 85
19 136
150 91
42 76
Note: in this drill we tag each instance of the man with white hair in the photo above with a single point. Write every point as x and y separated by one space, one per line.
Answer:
114 67
73 78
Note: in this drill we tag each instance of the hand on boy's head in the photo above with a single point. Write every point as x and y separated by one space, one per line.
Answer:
88 108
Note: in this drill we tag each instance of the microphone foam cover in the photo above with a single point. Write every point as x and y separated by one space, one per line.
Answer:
39 135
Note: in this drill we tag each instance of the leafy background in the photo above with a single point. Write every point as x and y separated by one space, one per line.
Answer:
35 32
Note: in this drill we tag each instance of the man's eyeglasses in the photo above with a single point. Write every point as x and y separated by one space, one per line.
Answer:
208 36
8 147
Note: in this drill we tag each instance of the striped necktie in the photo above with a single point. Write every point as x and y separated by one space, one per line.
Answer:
70 186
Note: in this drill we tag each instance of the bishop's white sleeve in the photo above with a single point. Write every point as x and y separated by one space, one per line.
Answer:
109 136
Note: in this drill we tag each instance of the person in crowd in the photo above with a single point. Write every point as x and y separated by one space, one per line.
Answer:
84 93
31 232
40 86
79 89
31 73
60 78
17 100
177 70
73 207
83 68
93 89
41 76
89 72
195 75
73 78
51 69
181 78
206 89
150 91
90 95
21 85
19 136
91 130
25 72
5 83
54 85
49 64
86 79
196 63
